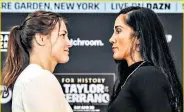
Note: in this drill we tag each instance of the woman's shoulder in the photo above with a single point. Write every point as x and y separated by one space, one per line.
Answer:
146 75
33 74
148 71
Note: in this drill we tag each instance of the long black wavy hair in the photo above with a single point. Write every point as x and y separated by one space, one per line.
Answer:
153 49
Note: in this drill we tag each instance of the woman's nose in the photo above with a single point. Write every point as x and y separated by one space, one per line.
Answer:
112 40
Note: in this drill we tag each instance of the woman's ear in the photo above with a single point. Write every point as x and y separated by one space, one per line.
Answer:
136 43
40 39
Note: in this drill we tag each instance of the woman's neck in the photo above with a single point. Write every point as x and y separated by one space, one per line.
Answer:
136 57
131 62
45 62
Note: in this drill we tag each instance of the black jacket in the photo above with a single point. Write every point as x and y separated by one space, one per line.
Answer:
146 90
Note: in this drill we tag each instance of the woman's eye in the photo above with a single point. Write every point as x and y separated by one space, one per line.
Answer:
62 35
118 31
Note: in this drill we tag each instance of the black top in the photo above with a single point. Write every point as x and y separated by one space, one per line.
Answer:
146 90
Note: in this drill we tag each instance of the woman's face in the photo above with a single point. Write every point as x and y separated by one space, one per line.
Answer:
121 39
60 43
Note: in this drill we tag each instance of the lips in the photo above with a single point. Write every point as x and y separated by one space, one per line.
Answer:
67 51
114 49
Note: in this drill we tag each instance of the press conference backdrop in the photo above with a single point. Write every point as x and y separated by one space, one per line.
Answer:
90 25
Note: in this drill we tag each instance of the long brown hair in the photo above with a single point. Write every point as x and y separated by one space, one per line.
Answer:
20 42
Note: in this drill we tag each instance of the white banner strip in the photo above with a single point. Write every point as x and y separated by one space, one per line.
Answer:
88 7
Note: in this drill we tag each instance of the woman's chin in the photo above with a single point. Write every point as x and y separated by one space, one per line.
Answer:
116 57
64 60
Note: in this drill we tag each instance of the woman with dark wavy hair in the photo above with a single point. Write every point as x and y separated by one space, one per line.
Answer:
147 79
34 49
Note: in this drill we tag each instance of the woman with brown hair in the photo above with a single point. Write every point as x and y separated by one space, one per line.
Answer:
34 49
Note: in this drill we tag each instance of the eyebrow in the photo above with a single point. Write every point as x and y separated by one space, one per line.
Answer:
65 31
118 26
